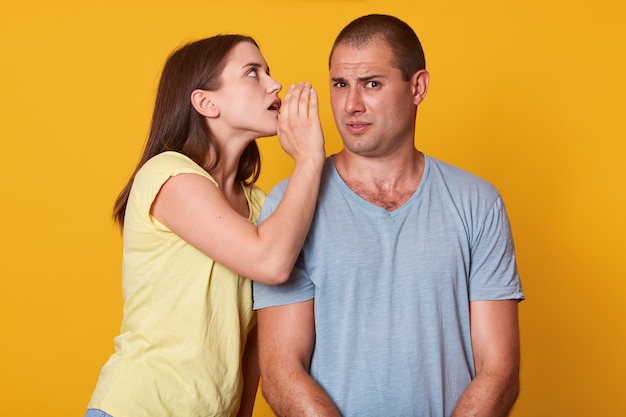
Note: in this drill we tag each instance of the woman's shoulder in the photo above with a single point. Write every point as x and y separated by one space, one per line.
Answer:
167 159
171 163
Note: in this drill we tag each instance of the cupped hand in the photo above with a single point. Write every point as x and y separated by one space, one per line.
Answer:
299 128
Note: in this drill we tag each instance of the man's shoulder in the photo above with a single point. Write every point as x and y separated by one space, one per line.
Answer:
454 175
276 193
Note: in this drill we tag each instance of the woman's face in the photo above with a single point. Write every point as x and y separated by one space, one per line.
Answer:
247 98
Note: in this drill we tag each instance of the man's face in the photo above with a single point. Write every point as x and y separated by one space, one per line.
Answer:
373 107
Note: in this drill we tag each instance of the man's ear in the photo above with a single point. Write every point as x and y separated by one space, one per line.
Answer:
419 82
201 101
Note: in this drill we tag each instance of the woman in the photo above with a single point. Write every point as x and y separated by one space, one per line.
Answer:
188 215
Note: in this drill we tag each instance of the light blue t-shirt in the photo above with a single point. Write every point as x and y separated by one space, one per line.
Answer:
392 289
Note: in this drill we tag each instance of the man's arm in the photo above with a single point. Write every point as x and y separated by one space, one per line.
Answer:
496 346
286 338
251 374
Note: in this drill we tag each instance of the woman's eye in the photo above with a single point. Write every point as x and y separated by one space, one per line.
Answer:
252 73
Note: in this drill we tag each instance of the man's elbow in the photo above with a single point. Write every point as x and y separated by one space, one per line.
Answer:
270 390
267 389
513 390
509 392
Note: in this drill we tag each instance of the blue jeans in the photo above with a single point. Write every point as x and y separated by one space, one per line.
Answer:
92 412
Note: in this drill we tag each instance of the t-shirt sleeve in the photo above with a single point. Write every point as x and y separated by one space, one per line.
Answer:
493 273
151 177
299 287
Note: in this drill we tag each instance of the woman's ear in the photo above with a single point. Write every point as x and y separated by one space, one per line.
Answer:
201 101
419 82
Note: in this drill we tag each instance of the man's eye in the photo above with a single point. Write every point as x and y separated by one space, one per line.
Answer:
340 84
372 84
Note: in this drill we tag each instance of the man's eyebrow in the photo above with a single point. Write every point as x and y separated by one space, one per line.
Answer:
359 79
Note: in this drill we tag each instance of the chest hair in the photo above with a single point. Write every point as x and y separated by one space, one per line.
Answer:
383 196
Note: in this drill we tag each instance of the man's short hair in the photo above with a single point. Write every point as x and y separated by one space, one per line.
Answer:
401 38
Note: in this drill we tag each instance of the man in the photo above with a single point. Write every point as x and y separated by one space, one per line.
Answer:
404 299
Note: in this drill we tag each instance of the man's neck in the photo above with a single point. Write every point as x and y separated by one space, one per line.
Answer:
384 182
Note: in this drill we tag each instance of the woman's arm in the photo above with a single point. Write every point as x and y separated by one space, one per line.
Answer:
197 211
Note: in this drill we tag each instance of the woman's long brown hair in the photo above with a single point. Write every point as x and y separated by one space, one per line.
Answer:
176 126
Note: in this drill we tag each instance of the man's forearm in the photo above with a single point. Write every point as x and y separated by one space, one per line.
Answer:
298 395
488 396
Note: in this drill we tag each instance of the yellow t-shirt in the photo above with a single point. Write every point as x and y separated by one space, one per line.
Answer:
186 317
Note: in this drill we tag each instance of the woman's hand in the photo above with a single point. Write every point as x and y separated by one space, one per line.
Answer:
299 128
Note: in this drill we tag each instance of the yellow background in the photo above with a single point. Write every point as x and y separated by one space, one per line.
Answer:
528 94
